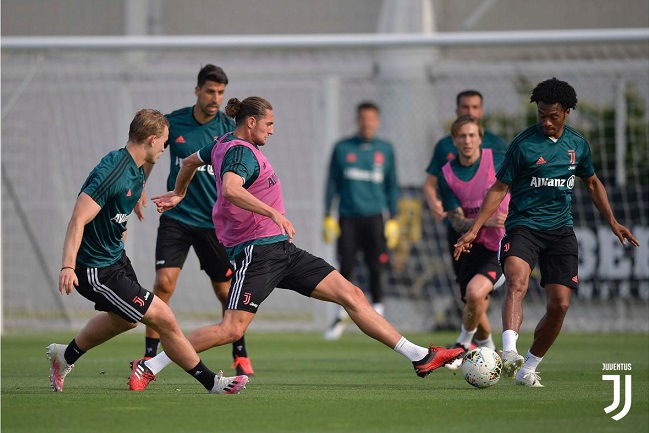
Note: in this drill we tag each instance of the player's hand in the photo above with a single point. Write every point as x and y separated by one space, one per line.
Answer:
392 233
437 210
166 201
67 279
463 245
496 220
139 206
285 225
623 233
330 229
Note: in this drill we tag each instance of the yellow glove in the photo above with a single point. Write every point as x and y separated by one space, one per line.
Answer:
330 229
391 232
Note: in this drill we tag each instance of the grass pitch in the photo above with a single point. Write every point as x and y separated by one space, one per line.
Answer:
305 384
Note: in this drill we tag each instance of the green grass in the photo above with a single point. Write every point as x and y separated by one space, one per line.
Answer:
304 384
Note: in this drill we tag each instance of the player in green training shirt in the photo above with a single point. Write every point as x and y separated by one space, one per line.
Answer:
94 261
190 223
540 169
363 176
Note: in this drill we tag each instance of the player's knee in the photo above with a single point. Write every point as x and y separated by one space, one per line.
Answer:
221 289
558 307
164 322
353 298
473 298
164 286
231 332
517 283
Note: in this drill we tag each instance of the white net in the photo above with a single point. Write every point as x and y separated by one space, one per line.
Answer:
62 110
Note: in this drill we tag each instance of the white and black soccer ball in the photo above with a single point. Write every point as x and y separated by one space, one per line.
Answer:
481 367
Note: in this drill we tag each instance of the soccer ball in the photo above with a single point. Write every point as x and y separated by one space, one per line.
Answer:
481 367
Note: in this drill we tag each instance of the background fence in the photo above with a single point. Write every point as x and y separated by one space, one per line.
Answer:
63 108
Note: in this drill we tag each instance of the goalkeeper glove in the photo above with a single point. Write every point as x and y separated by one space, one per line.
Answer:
391 232
330 229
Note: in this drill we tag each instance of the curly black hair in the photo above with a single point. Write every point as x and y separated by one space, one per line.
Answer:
554 91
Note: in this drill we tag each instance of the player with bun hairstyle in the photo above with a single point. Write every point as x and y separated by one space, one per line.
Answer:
190 225
250 218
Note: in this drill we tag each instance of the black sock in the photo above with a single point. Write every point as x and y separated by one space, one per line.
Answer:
204 375
151 346
72 352
239 348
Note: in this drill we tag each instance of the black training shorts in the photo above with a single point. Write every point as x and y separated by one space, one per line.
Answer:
174 240
261 268
556 251
115 288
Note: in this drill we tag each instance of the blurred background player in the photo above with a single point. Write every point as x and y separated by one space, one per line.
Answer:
363 177
540 170
462 186
190 223
468 102
94 261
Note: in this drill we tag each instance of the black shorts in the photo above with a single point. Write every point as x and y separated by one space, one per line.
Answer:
261 268
174 240
115 288
557 252
480 261
365 234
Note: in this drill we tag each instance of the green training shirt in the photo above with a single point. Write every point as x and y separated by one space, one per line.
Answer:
541 176
363 174
187 136
116 185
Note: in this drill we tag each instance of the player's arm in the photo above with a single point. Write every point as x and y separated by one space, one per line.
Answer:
85 210
599 197
463 224
141 204
490 204
430 193
232 190
187 171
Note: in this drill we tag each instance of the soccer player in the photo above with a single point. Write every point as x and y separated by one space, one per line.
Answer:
363 176
463 185
190 223
539 170
467 102
94 261
249 217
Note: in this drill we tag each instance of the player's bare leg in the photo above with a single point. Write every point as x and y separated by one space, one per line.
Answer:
240 361
163 287
336 288
517 275
548 328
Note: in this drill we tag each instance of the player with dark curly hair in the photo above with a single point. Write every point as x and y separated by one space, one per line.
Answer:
539 170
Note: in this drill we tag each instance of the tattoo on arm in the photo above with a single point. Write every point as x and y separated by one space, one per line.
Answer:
460 223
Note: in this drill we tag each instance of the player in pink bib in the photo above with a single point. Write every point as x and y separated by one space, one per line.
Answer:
250 221
465 181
